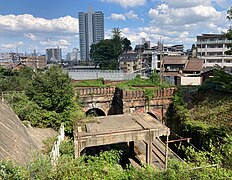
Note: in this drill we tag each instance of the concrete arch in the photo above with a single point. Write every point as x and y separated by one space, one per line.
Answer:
95 112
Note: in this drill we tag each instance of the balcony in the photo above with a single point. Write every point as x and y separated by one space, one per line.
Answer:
215 42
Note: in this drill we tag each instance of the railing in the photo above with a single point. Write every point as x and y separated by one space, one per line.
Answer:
55 153
214 42
114 75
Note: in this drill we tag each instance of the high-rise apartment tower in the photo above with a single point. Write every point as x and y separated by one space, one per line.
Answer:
91 31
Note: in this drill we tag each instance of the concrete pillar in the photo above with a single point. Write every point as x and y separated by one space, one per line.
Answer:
166 152
77 142
77 149
147 152
149 149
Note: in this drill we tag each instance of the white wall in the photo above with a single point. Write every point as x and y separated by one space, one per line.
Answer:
190 80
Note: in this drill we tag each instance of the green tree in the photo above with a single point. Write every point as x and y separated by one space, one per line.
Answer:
229 13
12 80
145 45
229 31
106 52
117 41
126 43
51 90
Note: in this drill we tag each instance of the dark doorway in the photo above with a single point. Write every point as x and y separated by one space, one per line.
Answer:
95 112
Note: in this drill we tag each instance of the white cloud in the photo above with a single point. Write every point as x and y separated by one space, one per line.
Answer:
115 16
178 22
128 15
37 33
187 3
127 3
11 45
125 30
182 16
28 22
52 43
132 15
30 36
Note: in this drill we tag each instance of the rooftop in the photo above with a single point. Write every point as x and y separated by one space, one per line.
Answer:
122 123
203 36
194 65
175 59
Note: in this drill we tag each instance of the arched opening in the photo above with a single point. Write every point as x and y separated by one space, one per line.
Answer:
95 112
154 116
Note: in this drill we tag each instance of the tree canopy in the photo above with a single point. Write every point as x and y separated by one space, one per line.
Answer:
106 52
15 80
126 45
229 31
51 90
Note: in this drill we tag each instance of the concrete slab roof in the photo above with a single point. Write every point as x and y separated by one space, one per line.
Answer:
117 129
122 123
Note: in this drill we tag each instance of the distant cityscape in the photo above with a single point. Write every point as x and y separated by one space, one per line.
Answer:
170 61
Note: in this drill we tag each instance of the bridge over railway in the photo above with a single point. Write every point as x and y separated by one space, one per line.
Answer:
104 101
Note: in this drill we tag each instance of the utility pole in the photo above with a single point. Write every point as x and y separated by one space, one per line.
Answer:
161 61
35 59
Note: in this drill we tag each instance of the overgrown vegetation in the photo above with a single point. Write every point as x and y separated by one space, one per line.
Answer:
205 116
12 80
229 31
89 83
46 99
149 86
104 166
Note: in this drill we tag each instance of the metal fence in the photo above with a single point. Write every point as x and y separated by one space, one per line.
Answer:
55 153
113 75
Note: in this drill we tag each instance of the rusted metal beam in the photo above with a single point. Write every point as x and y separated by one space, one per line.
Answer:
181 139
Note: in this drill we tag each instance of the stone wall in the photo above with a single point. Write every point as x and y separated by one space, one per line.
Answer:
113 100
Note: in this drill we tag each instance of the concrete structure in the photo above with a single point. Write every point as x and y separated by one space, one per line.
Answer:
18 143
212 47
53 55
91 31
118 129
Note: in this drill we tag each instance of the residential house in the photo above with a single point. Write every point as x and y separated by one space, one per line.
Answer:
130 62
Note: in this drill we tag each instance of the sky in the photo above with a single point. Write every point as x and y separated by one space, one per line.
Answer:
28 25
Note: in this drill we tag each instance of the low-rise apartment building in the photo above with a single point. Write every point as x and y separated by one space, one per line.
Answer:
36 62
212 48
130 62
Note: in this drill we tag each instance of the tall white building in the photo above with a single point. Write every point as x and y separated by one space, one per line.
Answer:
212 47
53 54
73 56
91 31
